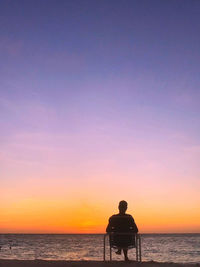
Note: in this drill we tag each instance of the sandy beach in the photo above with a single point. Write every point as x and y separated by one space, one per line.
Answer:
43 263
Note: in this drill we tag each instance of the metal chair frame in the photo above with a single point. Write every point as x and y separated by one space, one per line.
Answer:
137 246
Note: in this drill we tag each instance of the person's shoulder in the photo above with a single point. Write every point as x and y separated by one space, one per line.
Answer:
129 216
113 216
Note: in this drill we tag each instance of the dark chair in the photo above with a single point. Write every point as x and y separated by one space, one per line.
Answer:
123 240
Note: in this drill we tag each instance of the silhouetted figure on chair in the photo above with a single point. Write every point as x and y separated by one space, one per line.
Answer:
122 223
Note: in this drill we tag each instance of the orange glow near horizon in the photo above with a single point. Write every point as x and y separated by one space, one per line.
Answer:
57 207
39 216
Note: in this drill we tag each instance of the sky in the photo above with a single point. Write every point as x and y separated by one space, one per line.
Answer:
99 102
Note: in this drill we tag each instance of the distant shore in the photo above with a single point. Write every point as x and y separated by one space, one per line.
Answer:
44 263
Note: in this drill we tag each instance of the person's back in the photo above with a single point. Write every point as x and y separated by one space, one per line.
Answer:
122 223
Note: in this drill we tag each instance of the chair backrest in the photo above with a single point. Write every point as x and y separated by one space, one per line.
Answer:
122 232
122 240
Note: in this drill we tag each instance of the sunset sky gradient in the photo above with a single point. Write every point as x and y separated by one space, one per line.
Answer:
99 102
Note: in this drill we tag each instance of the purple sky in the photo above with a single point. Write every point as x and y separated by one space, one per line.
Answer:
100 90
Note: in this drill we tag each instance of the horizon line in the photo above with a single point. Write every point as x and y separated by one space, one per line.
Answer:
163 233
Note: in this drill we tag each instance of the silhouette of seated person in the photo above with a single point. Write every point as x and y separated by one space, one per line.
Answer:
122 223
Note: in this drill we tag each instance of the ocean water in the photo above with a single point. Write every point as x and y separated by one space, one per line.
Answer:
182 248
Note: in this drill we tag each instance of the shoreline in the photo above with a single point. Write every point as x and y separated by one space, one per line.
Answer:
61 263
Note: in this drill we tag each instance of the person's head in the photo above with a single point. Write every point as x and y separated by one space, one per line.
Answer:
122 206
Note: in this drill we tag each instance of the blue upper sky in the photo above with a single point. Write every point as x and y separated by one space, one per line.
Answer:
102 55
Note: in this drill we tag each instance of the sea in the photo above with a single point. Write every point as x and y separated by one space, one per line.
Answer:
180 248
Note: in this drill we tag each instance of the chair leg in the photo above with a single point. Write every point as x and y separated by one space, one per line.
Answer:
136 251
104 248
110 253
140 251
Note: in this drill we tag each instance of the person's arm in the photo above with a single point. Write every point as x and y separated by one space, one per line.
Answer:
133 225
109 227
